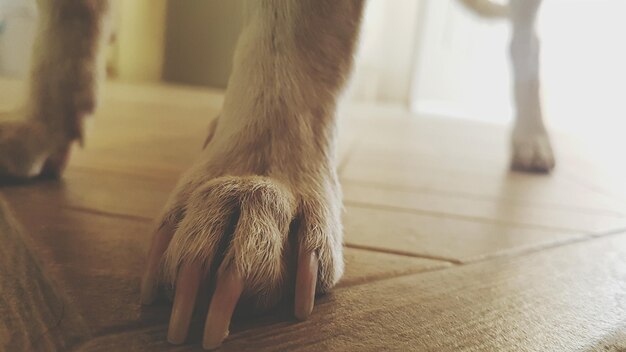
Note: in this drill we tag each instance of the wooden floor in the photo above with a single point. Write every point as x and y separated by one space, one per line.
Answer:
446 249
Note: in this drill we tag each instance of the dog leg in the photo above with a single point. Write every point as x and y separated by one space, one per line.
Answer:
259 213
531 147
62 92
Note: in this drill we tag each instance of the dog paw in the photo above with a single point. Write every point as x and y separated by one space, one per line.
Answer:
532 152
28 150
255 238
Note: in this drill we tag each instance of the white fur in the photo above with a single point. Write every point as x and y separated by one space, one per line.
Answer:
487 8
530 142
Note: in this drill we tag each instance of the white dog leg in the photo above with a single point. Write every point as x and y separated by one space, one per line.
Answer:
530 142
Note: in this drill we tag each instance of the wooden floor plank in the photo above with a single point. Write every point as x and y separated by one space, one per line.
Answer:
366 266
34 314
506 185
444 237
492 178
466 157
119 193
499 210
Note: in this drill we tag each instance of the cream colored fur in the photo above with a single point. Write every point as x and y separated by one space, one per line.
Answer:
266 182
272 159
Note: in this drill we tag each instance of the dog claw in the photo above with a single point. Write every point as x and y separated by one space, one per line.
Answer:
149 283
306 280
229 287
187 286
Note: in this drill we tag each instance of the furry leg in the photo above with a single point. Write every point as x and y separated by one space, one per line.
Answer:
530 142
264 195
63 88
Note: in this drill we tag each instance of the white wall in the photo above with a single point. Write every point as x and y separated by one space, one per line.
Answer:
584 65
386 52
462 65
18 23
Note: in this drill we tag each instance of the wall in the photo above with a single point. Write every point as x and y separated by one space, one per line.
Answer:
200 40
386 54
18 24
462 66
137 51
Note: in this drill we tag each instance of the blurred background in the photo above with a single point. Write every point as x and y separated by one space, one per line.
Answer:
432 57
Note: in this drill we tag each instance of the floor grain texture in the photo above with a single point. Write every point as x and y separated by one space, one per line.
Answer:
446 250
34 314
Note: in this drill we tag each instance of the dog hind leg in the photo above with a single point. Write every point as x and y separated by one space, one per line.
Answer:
531 149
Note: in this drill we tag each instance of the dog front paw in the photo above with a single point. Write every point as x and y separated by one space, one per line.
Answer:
28 149
257 238
532 152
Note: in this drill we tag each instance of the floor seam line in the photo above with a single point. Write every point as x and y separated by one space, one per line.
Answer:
404 254
107 214
516 254
102 169
586 237
455 216
394 276
468 196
